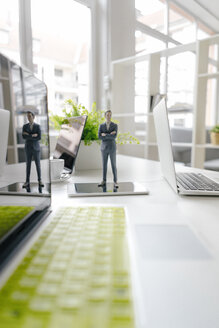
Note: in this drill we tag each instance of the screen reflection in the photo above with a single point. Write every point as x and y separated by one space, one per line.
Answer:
69 140
25 97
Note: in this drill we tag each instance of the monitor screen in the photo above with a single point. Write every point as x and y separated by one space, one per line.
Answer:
69 140
25 97
25 190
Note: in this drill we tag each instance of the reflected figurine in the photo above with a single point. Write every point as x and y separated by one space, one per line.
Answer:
104 188
107 133
32 134
28 188
115 189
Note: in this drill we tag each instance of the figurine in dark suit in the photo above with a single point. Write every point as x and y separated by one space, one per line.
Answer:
107 133
32 134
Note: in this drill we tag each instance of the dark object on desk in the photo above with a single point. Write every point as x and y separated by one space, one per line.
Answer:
33 189
92 189
69 140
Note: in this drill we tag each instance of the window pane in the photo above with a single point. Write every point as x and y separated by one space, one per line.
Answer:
61 38
210 117
141 87
146 43
141 98
163 75
181 71
181 26
203 32
151 13
9 29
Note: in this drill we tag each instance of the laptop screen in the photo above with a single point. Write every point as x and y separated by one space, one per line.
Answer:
25 180
165 151
69 140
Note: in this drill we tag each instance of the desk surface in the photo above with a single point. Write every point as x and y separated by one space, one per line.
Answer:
169 292
176 292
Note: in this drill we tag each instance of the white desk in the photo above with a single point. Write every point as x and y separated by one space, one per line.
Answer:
173 293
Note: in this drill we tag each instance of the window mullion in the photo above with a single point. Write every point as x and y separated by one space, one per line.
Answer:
25 32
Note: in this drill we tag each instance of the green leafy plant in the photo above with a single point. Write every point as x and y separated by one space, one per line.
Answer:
215 129
126 138
44 139
94 119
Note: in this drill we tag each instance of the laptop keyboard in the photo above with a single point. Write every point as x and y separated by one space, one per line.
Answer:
77 274
196 181
10 216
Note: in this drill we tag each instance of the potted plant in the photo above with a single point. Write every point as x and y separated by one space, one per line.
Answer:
89 152
94 119
215 135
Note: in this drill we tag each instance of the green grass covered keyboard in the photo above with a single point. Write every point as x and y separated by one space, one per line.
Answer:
10 216
77 274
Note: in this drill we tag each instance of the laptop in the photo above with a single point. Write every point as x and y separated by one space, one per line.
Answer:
68 142
189 183
22 210
28 94
4 127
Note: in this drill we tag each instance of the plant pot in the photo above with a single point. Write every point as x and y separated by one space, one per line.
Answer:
89 157
215 138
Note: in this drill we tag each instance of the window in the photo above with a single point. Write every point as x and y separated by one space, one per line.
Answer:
180 90
59 96
35 68
58 72
141 72
61 49
4 36
203 32
182 27
36 45
151 13
9 29
144 42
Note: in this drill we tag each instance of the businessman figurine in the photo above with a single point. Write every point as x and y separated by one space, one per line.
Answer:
107 133
32 134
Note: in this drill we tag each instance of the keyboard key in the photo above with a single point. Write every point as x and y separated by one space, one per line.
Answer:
42 304
70 302
196 181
